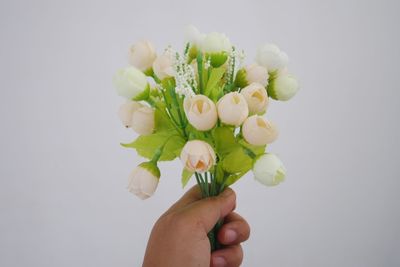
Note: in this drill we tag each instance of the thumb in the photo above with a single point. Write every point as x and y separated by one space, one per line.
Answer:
208 211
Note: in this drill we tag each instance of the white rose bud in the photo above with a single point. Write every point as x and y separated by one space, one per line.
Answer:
256 98
142 55
200 112
232 109
143 120
258 131
271 57
217 46
144 179
197 156
252 74
163 66
283 87
269 170
131 83
126 110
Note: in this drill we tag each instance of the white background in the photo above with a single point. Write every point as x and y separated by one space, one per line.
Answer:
63 198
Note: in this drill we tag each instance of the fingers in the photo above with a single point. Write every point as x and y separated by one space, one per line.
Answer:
192 195
227 257
208 211
234 230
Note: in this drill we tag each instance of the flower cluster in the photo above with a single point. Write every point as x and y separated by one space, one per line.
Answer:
203 107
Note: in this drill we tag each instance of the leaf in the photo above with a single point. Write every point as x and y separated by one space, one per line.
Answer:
147 145
233 178
257 150
237 161
215 77
225 141
186 175
161 119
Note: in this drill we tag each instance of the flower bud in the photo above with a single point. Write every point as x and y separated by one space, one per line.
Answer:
194 36
143 120
142 55
217 46
258 131
252 74
197 156
131 83
271 57
144 179
200 112
283 87
126 110
232 109
269 170
256 98
163 66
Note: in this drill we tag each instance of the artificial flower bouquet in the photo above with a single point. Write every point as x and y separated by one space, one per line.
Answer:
204 107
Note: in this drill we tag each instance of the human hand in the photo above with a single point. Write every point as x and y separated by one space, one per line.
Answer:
179 237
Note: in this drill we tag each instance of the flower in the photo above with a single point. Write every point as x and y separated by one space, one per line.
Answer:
232 109
142 55
269 170
217 46
131 83
126 110
144 179
163 66
251 74
197 156
271 57
200 112
258 131
256 98
283 87
143 120
194 36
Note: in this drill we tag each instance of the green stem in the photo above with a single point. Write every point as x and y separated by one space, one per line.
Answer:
200 71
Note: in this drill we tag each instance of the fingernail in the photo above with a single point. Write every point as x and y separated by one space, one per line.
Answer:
218 262
226 193
230 236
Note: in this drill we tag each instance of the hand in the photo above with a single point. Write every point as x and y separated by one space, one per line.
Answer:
179 237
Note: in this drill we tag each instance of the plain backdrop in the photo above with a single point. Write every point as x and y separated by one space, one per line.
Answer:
63 197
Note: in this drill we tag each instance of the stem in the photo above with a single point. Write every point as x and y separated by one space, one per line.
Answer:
200 70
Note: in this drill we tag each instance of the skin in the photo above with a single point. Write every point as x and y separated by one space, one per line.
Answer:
179 237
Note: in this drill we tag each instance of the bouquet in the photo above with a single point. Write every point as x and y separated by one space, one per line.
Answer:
206 108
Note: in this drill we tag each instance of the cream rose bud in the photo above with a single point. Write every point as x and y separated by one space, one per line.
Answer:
194 36
197 156
258 131
217 46
126 110
144 179
143 120
283 87
271 57
200 112
142 55
163 66
256 98
232 109
269 170
253 73
131 83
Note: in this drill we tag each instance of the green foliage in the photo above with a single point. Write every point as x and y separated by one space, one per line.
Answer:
213 82
186 175
257 150
233 178
237 161
224 140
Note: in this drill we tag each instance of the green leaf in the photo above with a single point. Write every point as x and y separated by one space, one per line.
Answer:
214 79
233 178
161 119
237 161
186 175
147 145
225 141
257 150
